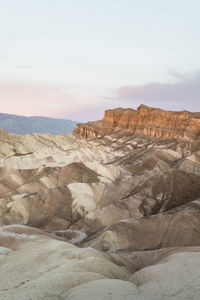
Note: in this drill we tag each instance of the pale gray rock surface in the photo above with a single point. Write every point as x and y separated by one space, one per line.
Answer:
35 265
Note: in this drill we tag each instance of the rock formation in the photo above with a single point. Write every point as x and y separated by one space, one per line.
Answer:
147 121
36 265
127 194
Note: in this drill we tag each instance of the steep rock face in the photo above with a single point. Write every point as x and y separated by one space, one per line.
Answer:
152 122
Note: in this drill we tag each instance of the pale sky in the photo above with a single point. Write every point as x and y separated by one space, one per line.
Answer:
75 58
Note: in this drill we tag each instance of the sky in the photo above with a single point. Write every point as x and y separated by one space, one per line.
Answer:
75 58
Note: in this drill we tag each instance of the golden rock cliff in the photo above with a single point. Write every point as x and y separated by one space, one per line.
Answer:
147 121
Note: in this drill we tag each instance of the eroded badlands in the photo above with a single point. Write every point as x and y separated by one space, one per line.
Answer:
113 216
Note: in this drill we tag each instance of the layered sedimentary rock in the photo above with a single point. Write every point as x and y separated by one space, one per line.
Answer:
152 122
64 182
130 199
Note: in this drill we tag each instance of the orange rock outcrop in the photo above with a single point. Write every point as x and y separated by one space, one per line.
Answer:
147 121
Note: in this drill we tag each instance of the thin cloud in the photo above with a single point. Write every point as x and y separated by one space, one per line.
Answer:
49 99
182 94
36 98
24 67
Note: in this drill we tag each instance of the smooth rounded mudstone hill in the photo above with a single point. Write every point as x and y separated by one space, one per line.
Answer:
37 266
108 289
42 267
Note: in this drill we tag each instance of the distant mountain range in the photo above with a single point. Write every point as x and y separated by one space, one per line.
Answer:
24 125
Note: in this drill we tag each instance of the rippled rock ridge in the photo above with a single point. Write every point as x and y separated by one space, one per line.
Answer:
110 212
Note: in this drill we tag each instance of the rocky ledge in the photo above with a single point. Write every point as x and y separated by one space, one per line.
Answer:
146 121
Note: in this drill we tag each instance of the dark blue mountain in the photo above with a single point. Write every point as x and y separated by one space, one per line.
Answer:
24 125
